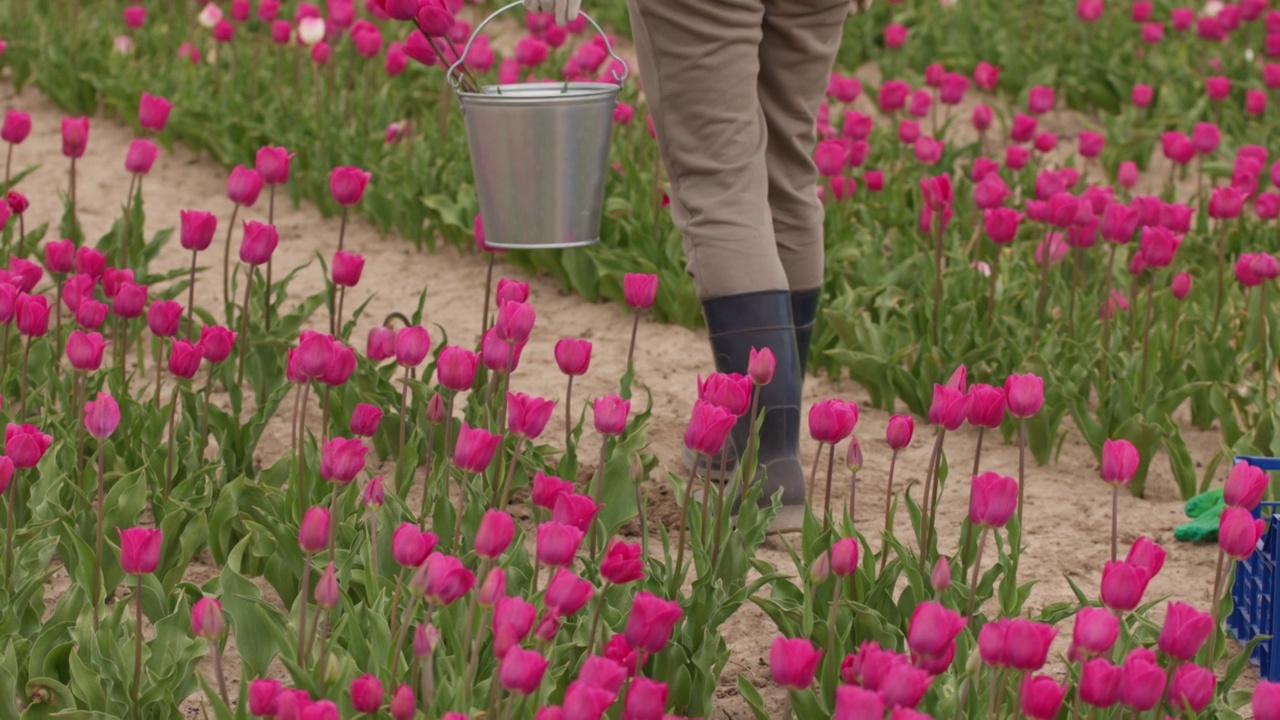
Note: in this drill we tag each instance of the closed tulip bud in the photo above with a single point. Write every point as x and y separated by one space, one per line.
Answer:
981 118
347 268
259 242
1041 697
425 640
347 184
262 697
163 317
651 621
59 256
412 346
90 262
84 350
381 344
1028 644
281 32
313 533
403 704
91 314
1100 683
216 343
515 322
573 356
7 469
102 416
341 459
311 30
546 490
16 128
1239 532
1192 688
855 703
1123 584
141 156
366 694
410 545
1245 486
949 408
32 313
708 428
899 431
75 136
184 359
1143 681
1181 285
140 549
373 496
940 578
153 110
793 662
993 498
206 619
494 587
365 419
442 579
904 685
272 165
1119 461
343 364
895 36
1266 701
243 186
130 300
475 448
986 406
567 593
1185 629
639 290
932 628
24 274
832 420
1094 632
610 413
844 557
494 536
521 671
557 543
435 410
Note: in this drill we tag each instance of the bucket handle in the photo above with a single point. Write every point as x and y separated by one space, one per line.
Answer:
455 76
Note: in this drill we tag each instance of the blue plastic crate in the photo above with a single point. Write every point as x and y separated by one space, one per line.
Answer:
1257 586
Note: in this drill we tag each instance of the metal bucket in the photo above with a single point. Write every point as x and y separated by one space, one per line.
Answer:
540 154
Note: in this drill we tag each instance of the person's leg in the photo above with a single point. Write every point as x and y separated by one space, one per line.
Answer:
700 66
797 52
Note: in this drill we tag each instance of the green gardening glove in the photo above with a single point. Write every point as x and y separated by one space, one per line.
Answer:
1206 509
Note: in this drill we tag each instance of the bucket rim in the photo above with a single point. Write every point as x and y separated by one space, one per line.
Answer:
557 92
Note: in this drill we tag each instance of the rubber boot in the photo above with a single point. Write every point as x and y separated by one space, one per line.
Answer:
804 312
737 324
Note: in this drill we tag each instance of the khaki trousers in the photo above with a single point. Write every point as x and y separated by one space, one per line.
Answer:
734 88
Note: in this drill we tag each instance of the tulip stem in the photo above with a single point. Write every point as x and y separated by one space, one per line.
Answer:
1222 261
831 624
677 577
1115 513
303 591
488 291
1263 345
302 451
204 411
826 499
1106 312
9 520
397 649
137 650
128 207
595 495
159 380
217 670
888 509
644 528
929 497
244 324
1218 582
97 556
191 298
813 475
595 623
631 349
75 220
173 414
22 404
504 491
937 279
991 290
226 261
8 165
1044 291
1146 337
568 413
977 568
333 526
461 510
404 402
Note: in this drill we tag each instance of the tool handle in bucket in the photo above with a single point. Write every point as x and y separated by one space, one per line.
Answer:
455 75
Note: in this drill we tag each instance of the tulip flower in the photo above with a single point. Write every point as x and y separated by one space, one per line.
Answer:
1239 532
443 579
1143 681
1119 464
793 662
567 593
622 563
1094 632
904 685
101 416
494 535
932 628
410 545
341 459
84 350
610 412
263 693
1245 486
1185 629
1100 683
1028 644
366 694
521 670
412 344
557 543
365 419
1192 688
313 533
1266 701
650 622
1041 697
1123 584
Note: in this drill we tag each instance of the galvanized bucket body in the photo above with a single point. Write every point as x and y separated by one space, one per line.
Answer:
540 154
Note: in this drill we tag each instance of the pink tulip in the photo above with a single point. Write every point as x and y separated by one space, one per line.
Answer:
949 408
793 662
1192 688
140 549
32 314
101 416
844 557
1094 632
403 704
412 345
475 448
1239 532
986 406
1266 701
347 184
1041 697
622 563
243 186
442 579
341 459
494 535
259 242
16 128
527 416
84 350
1119 461
346 268
895 36
313 533
610 414
899 431
993 498
639 290
163 317
1123 584
651 621
1143 681
557 543
1028 644
75 136
708 428
904 685
365 419
366 694
262 697
521 670
567 593
1185 629
933 628
1246 486
272 164
573 356
515 322
381 344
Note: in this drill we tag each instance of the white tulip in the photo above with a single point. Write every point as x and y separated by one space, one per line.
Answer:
311 30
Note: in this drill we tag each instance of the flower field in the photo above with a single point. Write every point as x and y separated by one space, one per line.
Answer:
265 458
